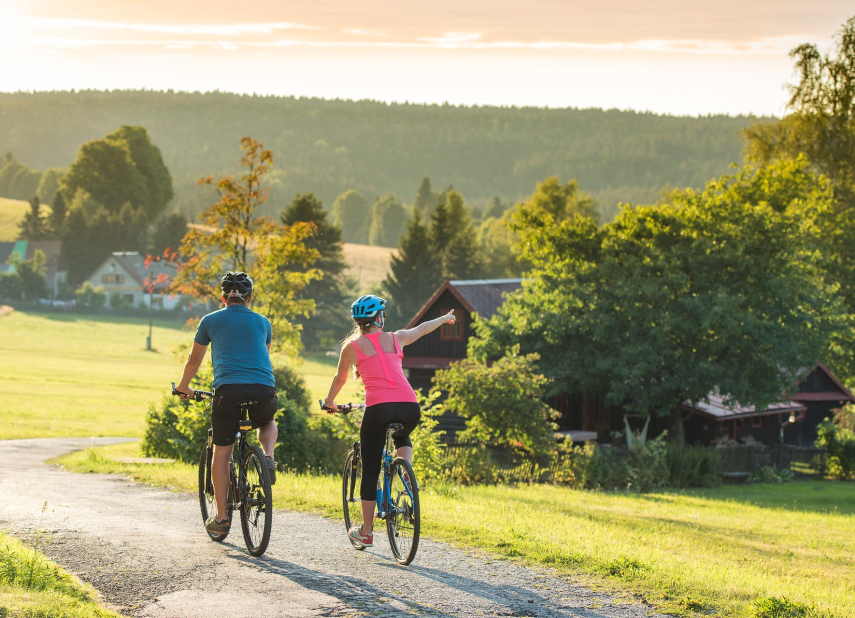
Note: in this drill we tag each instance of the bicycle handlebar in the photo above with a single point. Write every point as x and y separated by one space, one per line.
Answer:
342 409
196 396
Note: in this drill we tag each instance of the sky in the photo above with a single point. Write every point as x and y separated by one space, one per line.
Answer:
681 57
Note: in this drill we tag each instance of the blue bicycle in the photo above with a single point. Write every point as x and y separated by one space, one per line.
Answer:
397 496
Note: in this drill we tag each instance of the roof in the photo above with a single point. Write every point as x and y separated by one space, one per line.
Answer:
715 407
27 248
481 296
832 388
134 263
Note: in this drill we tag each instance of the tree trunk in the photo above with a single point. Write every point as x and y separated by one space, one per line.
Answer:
676 432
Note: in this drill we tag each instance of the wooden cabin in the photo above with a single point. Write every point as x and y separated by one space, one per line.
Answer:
586 417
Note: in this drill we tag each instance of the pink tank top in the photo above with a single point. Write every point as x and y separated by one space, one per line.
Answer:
382 373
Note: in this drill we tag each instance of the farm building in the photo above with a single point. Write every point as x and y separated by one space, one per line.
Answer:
586 417
125 273
57 271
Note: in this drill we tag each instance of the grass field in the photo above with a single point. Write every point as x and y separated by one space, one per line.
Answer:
11 213
72 375
368 265
715 552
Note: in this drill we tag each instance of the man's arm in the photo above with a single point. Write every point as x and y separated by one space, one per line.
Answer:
194 361
406 337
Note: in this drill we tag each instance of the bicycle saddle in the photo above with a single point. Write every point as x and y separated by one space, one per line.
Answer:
395 426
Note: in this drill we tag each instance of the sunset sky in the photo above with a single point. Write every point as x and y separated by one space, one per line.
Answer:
669 56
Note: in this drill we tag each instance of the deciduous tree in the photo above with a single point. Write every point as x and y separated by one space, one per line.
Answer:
352 212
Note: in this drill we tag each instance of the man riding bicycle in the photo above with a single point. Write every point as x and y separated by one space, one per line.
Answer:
240 351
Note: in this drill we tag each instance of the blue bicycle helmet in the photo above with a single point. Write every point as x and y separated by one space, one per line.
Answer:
367 307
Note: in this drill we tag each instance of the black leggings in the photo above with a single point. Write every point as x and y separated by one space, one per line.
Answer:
372 438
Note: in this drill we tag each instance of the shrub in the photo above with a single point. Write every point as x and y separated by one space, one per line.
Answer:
428 449
88 295
118 301
773 607
472 465
648 467
177 429
502 402
770 474
839 444
693 466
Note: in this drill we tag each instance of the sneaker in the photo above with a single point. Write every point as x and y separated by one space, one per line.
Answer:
271 469
358 536
217 527
414 486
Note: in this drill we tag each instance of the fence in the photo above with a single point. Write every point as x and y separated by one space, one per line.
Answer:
469 462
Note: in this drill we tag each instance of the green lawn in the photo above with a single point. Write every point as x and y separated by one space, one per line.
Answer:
701 552
66 375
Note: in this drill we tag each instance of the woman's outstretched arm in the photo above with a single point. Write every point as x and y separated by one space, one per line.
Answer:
406 337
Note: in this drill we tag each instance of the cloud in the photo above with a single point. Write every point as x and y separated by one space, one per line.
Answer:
185 29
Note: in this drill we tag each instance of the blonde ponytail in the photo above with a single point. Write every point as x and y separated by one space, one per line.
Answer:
359 329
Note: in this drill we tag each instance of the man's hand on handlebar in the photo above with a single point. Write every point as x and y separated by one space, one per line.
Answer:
190 394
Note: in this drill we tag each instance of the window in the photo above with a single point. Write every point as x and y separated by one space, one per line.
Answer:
757 421
451 332
113 279
724 425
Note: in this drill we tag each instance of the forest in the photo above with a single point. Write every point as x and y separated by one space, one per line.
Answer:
331 146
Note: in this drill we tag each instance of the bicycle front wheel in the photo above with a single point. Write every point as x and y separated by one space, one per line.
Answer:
207 503
404 521
351 504
256 501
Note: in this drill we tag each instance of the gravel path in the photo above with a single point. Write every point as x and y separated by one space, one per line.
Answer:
144 549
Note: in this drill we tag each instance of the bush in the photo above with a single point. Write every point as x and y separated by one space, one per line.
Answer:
773 607
177 429
839 444
428 449
88 295
693 466
118 301
502 403
770 474
648 467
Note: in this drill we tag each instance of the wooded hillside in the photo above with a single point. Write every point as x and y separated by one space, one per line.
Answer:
331 146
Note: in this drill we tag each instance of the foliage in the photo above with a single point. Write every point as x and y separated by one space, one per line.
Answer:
329 290
49 184
58 212
693 466
499 248
720 291
648 466
774 607
388 218
375 147
233 237
168 231
770 474
428 448
34 226
414 273
26 279
502 402
17 181
90 232
559 202
821 126
838 441
91 296
425 198
121 168
352 212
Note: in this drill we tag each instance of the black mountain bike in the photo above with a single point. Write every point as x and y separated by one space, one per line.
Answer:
397 496
249 483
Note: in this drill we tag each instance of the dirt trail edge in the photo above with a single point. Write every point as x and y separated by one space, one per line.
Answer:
144 549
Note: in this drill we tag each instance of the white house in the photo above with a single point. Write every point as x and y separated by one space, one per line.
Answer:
125 273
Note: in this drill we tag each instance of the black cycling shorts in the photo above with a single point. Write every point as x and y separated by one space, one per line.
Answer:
225 413
372 438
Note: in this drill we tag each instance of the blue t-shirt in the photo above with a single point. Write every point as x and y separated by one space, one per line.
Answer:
239 339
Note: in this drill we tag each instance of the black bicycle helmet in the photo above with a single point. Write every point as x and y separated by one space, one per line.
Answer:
236 285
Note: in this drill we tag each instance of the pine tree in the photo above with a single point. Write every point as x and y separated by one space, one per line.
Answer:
441 231
425 197
34 225
57 215
414 273
329 321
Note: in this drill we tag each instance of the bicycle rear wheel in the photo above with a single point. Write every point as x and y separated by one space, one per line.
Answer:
350 482
256 501
207 503
404 521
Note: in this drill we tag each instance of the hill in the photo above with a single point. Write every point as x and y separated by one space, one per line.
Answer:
11 214
368 265
329 146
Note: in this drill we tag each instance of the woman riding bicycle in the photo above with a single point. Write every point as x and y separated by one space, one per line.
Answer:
389 398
